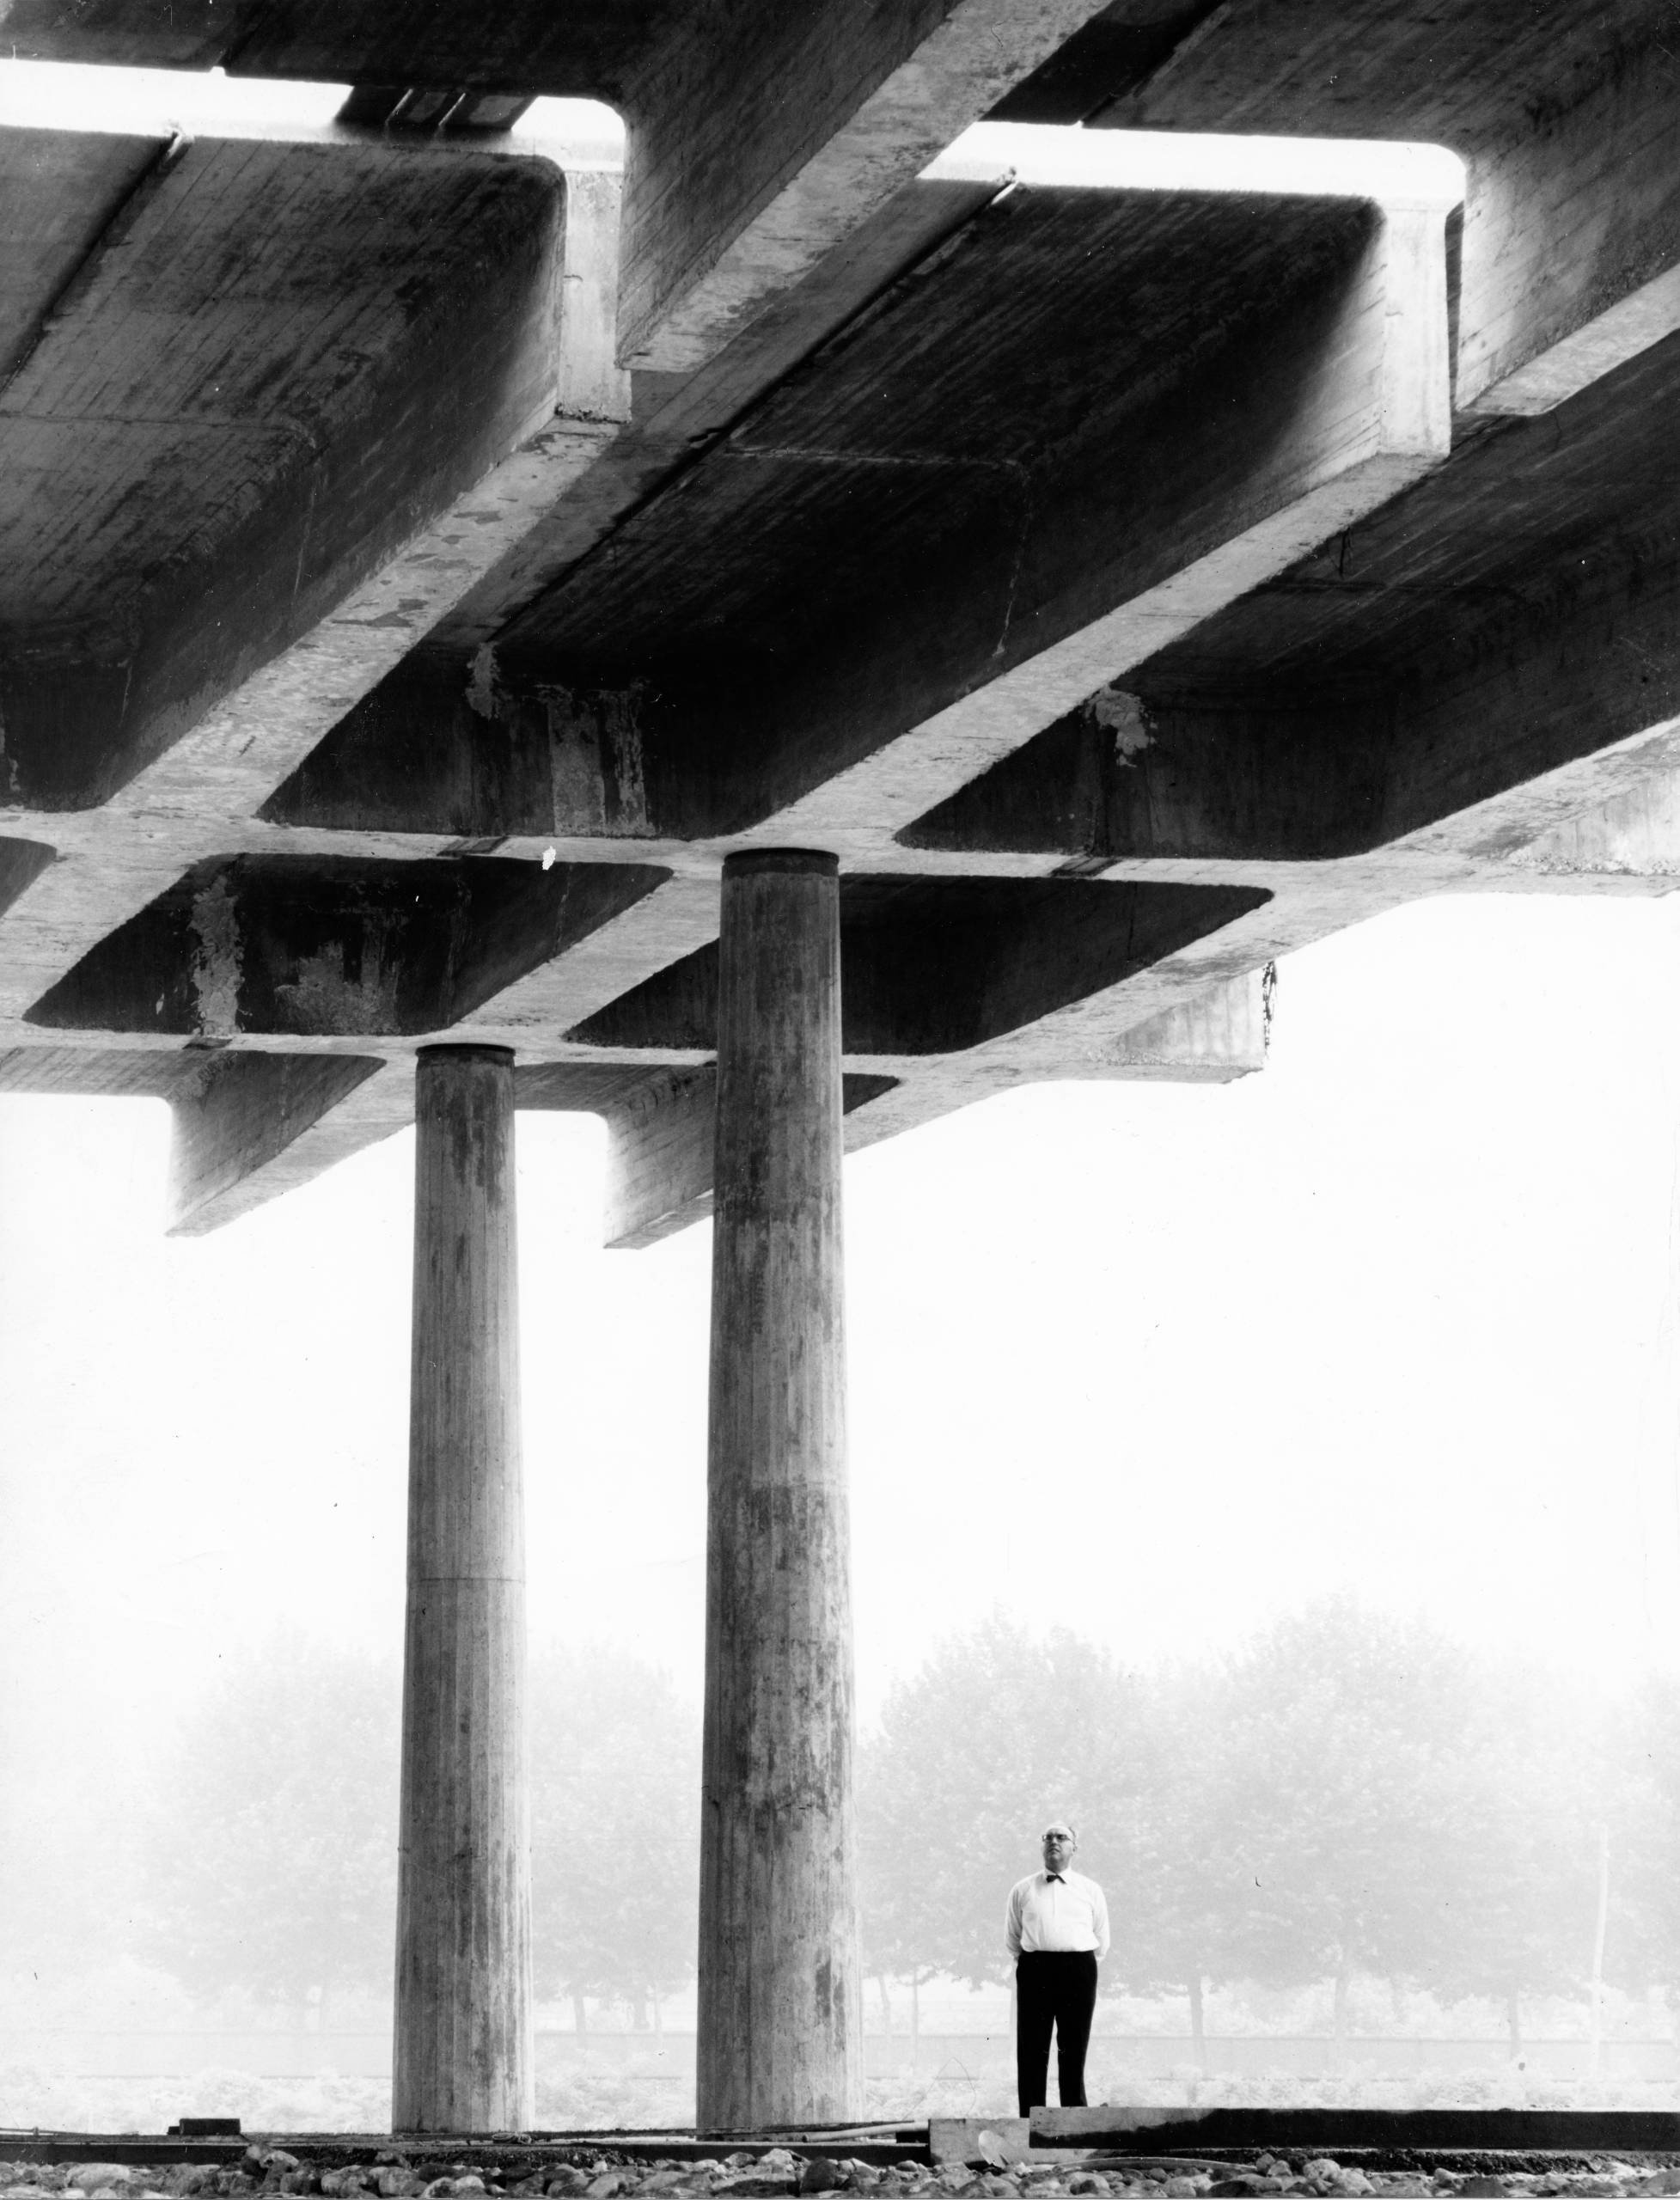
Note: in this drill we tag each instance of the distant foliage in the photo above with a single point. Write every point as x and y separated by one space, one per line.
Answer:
1353 1795
273 1836
273 1833
615 1763
998 1729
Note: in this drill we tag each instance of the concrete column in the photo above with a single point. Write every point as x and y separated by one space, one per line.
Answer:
781 1994
463 1990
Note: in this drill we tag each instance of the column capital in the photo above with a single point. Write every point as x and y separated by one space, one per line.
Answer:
468 1050
745 861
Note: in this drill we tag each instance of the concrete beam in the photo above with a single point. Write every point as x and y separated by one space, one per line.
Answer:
1316 422
459 337
235 1118
1284 777
1511 615
233 745
318 948
1571 229
1571 252
1222 433
768 135
114 1074
374 1108
661 1136
1636 837
660 1154
660 1142
939 966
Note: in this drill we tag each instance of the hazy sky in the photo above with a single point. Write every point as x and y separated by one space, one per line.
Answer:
1155 1361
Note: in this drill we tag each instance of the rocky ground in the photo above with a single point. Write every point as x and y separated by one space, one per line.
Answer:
589 2174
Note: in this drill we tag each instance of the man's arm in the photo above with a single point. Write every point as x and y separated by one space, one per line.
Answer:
1012 1920
1099 1918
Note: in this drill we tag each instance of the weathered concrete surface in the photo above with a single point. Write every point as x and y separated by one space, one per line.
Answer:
1009 538
463 2059
1572 215
661 1147
660 1137
806 121
781 2029
242 1112
762 137
289 1148
317 947
256 713
182 836
1238 380
207 331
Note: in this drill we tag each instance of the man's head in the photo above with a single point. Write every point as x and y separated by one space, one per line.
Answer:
1059 1842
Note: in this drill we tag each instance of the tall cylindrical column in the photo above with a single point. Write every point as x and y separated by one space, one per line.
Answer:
781 1994
463 1985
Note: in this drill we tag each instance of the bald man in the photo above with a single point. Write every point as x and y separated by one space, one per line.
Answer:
1057 1927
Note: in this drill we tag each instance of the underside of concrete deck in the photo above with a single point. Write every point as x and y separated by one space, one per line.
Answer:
423 564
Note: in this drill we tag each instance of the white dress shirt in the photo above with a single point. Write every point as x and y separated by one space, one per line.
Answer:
1049 1915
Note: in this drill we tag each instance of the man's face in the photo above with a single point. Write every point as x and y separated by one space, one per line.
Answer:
1058 1846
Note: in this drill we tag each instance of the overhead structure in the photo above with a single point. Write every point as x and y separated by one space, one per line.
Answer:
429 559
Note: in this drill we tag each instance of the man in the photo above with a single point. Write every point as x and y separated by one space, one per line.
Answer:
1057 1926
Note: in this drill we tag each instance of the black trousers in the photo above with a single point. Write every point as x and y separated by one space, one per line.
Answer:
1059 1989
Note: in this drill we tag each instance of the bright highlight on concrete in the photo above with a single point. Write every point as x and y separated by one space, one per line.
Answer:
1169 160
162 103
585 133
153 103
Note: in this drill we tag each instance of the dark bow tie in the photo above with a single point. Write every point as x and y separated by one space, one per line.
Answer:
1057 1878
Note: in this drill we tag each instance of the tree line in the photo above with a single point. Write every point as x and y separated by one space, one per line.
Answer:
1351 1796
269 1856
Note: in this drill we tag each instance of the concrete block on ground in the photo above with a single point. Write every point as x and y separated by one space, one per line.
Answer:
958 2138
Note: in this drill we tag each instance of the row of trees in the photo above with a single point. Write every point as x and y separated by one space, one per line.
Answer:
268 1865
1353 1796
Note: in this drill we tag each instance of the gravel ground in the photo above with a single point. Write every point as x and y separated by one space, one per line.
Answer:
591 2174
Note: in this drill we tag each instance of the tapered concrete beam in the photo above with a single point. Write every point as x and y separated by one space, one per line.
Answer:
463 1972
1635 837
660 1139
1564 120
238 1117
660 1156
661 1147
1571 254
768 135
780 2019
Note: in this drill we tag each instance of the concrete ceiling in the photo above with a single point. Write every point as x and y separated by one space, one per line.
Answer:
423 564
